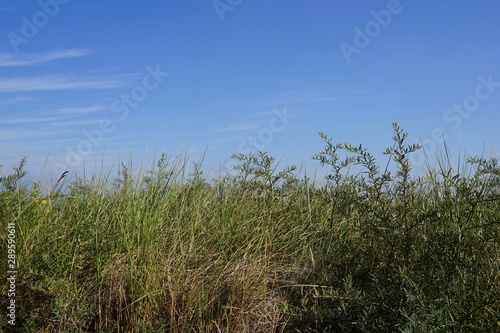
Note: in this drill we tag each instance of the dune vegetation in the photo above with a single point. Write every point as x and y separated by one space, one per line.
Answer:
260 249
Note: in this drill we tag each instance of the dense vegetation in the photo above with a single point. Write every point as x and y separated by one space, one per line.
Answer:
260 249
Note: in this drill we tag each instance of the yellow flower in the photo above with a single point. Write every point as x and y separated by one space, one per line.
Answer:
43 202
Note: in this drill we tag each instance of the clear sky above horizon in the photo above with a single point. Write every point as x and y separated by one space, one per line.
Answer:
86 81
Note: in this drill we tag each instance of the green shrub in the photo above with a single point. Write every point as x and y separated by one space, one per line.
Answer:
261 249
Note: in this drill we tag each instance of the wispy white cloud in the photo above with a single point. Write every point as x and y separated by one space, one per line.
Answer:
16 100
306 95
14 60
21 135
77 123
63 117
32 120
227 140
237 128
79 110
64 82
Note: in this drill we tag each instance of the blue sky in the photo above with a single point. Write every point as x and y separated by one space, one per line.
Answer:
86 81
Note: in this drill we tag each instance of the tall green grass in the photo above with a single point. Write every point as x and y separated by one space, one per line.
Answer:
260 249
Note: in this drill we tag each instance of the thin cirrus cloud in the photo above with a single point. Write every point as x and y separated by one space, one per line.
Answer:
15 60
16 100
297 96
58 117
55 117
308 95
237 128
32 120
64 82
15 134
79 110
56 82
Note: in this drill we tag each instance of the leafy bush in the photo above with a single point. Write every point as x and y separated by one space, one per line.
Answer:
261 250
